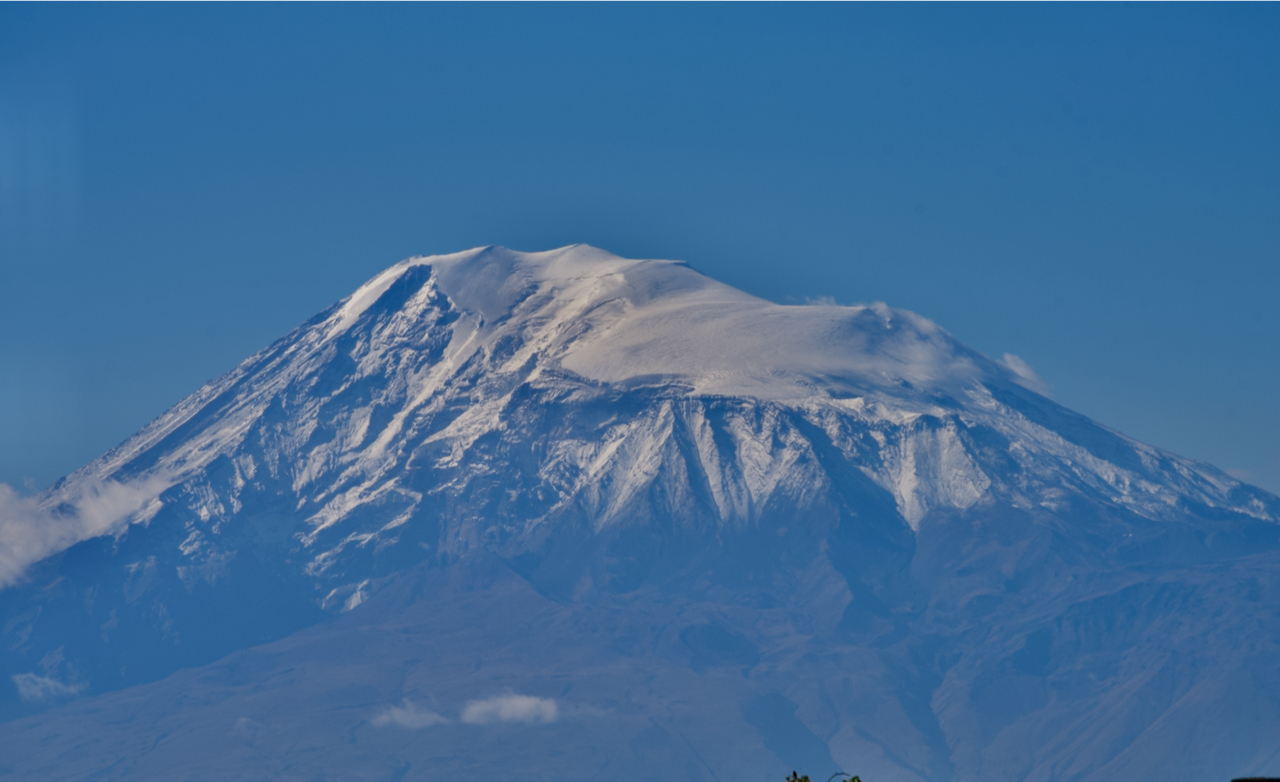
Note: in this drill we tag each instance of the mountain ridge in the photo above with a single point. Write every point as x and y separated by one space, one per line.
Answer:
775 485
346 313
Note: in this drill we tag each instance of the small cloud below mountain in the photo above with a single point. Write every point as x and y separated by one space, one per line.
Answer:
507 708
510 708
408 716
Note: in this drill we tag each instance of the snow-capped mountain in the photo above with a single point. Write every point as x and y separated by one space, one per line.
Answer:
701 535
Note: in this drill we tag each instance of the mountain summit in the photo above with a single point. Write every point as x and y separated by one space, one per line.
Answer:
587 517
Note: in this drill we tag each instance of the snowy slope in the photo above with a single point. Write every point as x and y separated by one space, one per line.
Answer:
433 351
839 497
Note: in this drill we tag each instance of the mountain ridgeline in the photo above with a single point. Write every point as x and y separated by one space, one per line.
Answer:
707 536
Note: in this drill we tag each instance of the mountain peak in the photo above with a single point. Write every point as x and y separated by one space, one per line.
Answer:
616 320
492 280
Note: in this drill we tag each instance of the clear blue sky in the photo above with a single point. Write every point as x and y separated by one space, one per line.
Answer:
1095 188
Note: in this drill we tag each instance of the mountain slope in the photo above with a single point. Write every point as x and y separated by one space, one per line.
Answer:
853 538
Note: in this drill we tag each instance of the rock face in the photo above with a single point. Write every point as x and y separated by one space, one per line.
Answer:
565 515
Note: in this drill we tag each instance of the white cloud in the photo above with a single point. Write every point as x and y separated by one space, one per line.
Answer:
35 689
510 708
29 532
1025 376
408 716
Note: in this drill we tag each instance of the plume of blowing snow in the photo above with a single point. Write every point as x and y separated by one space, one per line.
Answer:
29 532
33 688
1025 376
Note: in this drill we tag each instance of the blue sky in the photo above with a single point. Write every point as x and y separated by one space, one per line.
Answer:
1094 188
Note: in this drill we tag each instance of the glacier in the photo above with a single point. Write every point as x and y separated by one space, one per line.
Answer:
646 526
